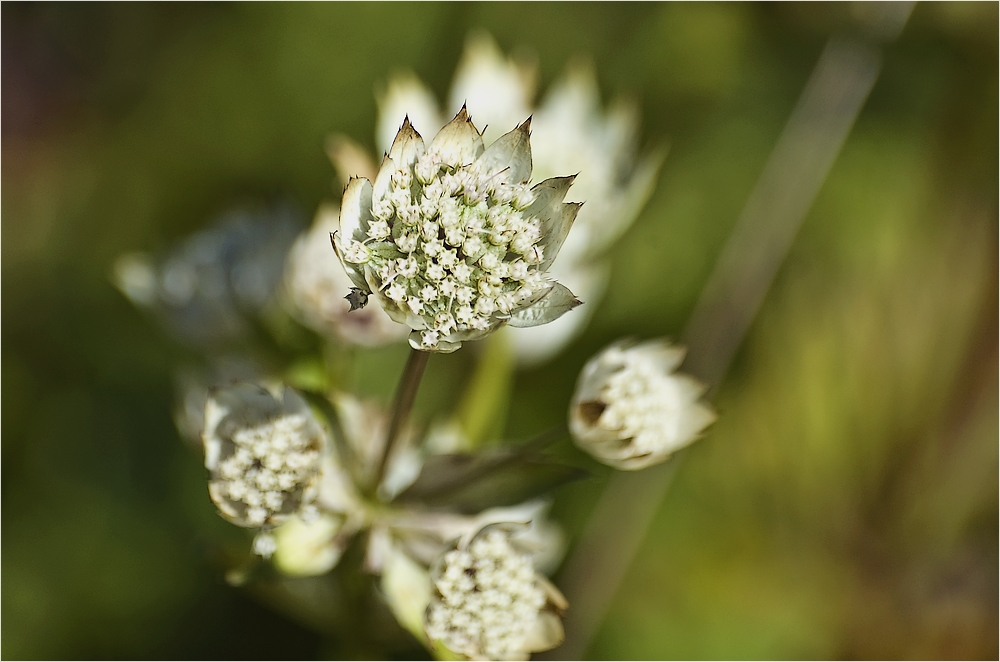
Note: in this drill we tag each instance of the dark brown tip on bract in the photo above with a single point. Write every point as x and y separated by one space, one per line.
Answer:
406 130
463 114
526 125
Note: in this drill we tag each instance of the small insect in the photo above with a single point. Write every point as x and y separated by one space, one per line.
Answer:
358 299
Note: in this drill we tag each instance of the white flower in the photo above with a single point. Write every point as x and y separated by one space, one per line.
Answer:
315 281
263 453
490 603
570 133
631 410
486 218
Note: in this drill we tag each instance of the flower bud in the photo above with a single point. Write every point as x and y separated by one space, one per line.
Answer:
309 548
488 601
263 454
630 410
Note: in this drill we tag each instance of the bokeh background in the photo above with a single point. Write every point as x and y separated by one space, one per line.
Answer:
845 504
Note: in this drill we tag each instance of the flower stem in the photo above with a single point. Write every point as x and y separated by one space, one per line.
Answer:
483 408
402 403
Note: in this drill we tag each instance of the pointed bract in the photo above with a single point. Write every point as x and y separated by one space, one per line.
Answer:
508 160
549 308
407 147
353 272
458 143
355 209
548 195
572 133
555 230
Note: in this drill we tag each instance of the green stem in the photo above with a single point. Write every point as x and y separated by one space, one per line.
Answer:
526 451
402 403
482 410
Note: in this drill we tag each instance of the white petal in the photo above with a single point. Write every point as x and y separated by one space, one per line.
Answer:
442 347
497 91
549 194
405 95
575 98
667 358
553 594
316 286
306 550
292 402
407 588
349 158
214 413
607 225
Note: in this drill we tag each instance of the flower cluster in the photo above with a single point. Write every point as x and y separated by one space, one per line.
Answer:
631 410
450 238
263 453
463 581
450 241
488 600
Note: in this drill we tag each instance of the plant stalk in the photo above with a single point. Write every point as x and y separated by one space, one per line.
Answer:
402 403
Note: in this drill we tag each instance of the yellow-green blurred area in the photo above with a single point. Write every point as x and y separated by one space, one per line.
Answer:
843 506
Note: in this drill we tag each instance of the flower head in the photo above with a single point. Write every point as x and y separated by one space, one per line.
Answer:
450 238
631 410
264 455
489 603
571 132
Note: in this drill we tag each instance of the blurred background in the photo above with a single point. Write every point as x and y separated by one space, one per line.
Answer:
844 505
